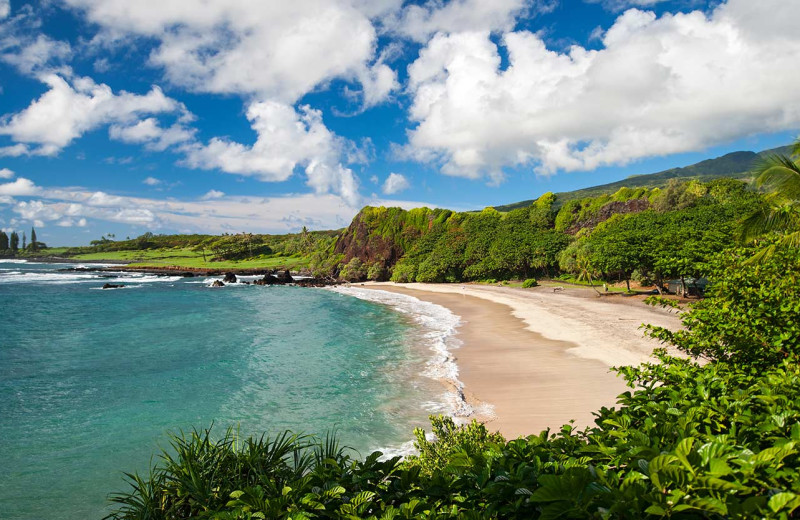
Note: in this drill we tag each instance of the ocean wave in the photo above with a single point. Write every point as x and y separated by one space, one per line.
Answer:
58 278
17 261
438 325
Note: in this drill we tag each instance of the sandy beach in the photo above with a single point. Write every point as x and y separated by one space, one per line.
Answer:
541 358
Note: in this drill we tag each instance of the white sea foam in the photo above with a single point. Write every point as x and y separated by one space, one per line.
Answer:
438 325
70 277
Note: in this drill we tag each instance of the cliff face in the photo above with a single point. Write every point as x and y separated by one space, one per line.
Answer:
383 235
609 210
361 241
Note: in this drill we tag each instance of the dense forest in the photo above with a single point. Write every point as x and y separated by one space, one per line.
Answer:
644 234
714 434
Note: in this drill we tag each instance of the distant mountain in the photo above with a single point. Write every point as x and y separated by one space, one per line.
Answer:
736 165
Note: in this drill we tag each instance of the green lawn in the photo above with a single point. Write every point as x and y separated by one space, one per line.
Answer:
180 257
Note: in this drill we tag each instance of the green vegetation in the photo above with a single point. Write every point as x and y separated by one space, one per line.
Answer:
633 234
736 165
242 251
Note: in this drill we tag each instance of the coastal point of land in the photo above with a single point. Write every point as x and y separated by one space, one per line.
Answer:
534 358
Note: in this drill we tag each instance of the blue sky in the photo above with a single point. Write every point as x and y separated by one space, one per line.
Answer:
227 116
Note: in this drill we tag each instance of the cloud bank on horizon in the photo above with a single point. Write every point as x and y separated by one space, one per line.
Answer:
266 116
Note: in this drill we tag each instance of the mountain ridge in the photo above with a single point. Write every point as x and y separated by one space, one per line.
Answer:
736 165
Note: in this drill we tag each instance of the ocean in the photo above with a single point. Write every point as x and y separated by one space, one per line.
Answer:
91 380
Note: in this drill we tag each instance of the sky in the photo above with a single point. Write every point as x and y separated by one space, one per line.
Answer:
226 116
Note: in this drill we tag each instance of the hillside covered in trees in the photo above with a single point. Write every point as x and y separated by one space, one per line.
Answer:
646 234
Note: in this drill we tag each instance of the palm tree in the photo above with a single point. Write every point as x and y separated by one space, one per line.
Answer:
585 270
780 176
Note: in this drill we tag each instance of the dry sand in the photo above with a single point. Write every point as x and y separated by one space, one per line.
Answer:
541 358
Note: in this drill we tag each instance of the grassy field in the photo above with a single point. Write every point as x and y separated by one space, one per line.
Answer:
180 257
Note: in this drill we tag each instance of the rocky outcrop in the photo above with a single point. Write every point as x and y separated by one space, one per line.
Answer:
229 278
268 279
217 283
317 282
285 277
113 286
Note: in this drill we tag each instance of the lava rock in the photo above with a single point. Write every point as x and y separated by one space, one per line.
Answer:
217 283
229 278
113 286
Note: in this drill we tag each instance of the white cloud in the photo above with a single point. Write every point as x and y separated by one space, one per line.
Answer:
287 139
24 47
621 5
212 194
149 132
275 50
67 111
395 183
14 150
5 173
663 85
419 22
19 188
152 181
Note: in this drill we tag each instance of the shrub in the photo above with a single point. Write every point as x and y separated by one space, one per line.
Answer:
404 272
353 271
530 282
376 271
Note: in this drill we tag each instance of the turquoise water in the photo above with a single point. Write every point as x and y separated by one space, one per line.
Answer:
90 380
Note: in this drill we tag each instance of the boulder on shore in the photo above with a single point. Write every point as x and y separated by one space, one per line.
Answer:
217 283
229 278
188 274
285 277
113 286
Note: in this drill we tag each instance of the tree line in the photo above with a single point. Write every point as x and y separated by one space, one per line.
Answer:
12 243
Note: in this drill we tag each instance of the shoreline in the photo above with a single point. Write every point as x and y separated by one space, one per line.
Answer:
519 358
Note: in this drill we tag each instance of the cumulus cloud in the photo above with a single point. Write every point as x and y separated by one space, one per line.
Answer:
152 181
286 139
395 183
68 110
658 86
19 188
5 173
276 50
419 22
151 134
5 8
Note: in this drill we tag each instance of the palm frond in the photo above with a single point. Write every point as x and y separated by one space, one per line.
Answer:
780 175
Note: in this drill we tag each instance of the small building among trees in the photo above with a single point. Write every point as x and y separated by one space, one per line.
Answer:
688 286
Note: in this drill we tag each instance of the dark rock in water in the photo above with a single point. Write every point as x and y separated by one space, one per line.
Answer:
285 277
113 286
229 278
267 280
188 274
217 283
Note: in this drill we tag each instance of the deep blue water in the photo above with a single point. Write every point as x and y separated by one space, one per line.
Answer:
90 379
